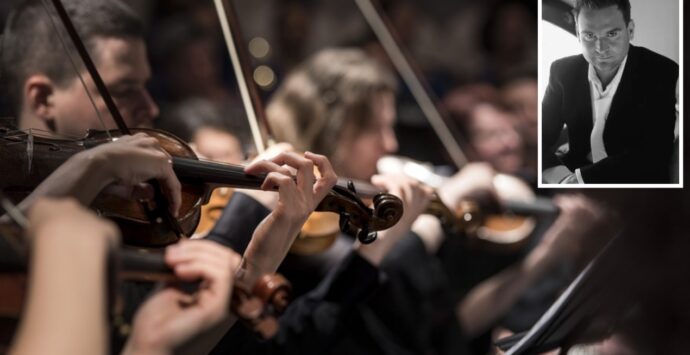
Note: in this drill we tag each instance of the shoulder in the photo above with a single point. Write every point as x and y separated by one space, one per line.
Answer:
568 63
568 69
660 63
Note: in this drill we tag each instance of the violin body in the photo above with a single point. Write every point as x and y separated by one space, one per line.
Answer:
503 229
257 307
33 158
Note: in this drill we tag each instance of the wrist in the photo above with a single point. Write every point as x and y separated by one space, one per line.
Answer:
97 168
289 224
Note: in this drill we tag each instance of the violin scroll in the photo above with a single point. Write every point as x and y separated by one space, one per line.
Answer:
261 308
358 219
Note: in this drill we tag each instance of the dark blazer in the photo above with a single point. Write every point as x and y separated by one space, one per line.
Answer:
638 134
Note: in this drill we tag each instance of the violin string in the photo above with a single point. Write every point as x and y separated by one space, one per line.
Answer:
76 69
7 137
17 217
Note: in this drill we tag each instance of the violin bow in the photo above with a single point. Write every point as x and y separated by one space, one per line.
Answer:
160 214
384 31
240 62
17 216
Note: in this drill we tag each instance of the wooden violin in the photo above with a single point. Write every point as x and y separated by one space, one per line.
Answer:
257 307
33 158
503 225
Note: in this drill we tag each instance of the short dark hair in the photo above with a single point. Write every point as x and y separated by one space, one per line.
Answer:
623 5
31 46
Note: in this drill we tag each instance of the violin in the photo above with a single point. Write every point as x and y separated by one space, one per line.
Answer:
504 227
211 212
33 158
258 307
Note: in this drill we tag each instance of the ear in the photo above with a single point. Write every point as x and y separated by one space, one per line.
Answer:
38 97
631 29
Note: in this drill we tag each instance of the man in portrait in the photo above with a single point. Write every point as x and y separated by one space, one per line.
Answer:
616 102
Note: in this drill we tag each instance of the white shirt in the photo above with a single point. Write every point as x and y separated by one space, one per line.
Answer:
601 105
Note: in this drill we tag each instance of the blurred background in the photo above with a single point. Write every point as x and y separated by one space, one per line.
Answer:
468 51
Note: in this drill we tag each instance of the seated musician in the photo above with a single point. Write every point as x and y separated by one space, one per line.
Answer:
48 96
341 103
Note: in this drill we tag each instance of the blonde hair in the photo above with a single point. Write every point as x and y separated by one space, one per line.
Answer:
326 98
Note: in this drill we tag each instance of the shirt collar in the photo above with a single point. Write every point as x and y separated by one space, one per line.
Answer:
596 82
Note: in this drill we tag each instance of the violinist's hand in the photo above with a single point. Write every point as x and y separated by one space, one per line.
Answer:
415 197
298 196
581 230
475 180
267 198
172 317
130 161
121 167
69 248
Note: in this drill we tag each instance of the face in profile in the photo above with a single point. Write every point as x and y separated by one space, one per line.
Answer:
358 153
605 37
123 65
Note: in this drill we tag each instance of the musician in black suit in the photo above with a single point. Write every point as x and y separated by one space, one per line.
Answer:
617 101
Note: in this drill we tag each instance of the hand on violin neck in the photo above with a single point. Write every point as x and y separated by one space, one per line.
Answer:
474 181
267 198
129 162
171 317
298 196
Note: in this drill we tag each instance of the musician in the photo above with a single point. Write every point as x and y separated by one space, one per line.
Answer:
488 128
342 103
48 96
65 308
607 97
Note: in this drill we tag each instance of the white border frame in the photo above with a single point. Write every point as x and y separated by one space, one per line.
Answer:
680 117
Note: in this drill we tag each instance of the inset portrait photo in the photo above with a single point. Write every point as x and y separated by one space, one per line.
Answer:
610 86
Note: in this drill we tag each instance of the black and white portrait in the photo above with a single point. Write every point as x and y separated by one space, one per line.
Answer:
609 89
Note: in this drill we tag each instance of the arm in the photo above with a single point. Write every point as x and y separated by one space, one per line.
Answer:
580 230
172 317
314 322
552 118
553 170
297 198
647 120
246 210
66 304
119 167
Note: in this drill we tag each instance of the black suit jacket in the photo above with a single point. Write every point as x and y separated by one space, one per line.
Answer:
638 135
